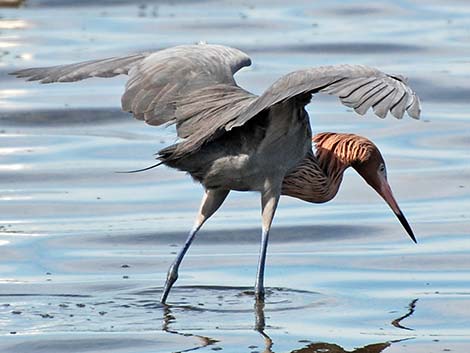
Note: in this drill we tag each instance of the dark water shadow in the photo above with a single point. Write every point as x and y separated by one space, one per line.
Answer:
359 48
45 295
311 233
439 91
359 10
62 117
78 345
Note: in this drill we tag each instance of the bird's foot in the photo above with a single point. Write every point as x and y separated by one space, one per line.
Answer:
170 280
259 294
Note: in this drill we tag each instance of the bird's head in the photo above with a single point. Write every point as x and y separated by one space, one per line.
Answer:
371 166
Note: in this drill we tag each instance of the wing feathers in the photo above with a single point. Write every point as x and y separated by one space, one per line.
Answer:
359 87
350 87
193 86
368 99
380 105
80 71
398 109
414 109
380 91
161 82
355 98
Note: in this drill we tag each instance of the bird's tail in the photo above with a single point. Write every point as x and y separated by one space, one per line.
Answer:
143 169
163 155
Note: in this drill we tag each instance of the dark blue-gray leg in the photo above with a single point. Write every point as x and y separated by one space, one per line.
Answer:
210 203
269 201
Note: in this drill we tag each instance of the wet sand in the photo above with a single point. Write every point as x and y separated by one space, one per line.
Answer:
84 250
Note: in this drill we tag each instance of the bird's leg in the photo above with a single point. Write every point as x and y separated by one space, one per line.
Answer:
210 203
269 200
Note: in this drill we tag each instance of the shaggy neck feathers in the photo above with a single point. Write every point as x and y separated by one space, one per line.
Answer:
318 177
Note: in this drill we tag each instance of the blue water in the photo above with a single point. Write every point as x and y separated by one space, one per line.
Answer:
84 250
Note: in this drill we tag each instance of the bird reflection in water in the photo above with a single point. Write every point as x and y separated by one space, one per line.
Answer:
334 348
314 347
168 318
411 310
260 325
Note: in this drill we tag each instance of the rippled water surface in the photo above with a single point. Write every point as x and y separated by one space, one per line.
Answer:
84 250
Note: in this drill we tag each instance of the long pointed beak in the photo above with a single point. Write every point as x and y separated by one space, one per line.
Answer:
386 193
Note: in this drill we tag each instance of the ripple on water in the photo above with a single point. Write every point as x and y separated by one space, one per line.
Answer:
233 299
141 310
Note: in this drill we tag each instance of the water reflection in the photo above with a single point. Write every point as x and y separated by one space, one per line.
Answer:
169 318
10 3
411 310
334 348
260 325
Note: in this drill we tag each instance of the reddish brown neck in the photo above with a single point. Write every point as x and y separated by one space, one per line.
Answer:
318 177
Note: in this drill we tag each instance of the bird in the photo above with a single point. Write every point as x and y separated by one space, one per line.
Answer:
232 140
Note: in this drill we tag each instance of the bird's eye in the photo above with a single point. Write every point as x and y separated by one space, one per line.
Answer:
382 168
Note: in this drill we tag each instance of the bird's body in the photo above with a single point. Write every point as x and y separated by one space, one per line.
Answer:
245 158
231 139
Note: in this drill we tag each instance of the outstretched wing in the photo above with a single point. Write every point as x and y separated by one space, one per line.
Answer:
80 71
190 85
193 86
359 87
162 86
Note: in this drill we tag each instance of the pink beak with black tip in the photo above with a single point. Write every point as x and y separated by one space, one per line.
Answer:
386 192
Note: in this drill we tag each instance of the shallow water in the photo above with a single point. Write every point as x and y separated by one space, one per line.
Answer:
85 250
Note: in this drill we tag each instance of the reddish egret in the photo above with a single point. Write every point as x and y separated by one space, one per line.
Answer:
231 139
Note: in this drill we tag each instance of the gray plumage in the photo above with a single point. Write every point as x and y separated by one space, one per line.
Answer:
193 86
231 139
79 71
